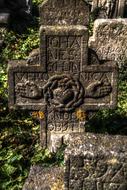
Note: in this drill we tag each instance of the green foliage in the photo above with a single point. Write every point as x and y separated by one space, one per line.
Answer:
19 46
113 121
37 2
16 148
46 158
19 133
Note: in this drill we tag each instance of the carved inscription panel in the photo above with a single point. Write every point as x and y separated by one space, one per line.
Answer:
96 174
64 122
96 162
26 87
91 89
100 86
64 49
64 53
64 12
109 39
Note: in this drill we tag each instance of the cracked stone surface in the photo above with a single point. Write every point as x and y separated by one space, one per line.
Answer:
94 161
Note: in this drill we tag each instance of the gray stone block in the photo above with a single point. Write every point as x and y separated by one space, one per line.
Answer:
92 162
96 162
64 12
109 39
44 178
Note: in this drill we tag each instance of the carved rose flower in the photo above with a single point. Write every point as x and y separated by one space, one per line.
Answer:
63 92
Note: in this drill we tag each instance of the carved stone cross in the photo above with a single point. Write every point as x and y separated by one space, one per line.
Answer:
68 80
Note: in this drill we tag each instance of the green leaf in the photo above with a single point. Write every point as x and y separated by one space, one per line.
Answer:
8 169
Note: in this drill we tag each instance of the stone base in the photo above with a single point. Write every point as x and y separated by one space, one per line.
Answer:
44 179
96 162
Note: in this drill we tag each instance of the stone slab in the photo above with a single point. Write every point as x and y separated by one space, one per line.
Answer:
34 57
27 86
44 178
109 39
64 12
4 18
67 80
96 162
2 35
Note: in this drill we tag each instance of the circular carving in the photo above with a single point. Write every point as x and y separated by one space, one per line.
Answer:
63 92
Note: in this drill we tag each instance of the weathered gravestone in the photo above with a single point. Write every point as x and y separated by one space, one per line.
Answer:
64 84
96 162
4 17
109 40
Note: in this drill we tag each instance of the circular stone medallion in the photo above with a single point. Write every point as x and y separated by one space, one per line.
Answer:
63 92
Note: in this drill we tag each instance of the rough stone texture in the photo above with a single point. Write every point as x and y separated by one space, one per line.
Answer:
92 89
96 162
64 12
92 162
44 178
2 35
61 48
34 58
109 8
109 39
67 81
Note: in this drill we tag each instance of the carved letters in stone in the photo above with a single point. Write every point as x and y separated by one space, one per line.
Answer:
65 93
64 53
64 12
61 48
96 167
106 32
96 174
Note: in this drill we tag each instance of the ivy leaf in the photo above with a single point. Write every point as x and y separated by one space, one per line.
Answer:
8 169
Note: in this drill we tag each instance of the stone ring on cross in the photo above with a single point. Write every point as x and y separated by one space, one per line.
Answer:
63 92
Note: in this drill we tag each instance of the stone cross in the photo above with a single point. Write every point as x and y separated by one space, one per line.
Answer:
69 80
